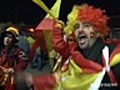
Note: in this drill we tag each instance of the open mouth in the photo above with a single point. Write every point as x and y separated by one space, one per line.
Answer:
82 39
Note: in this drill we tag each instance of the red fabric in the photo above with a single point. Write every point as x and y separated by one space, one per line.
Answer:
60 45
9 86
67 49
33 50
40 39
116 50
112 77
46 24
12 60
110 73
88 66
44 82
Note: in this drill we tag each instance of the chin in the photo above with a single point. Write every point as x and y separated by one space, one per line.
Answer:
84 46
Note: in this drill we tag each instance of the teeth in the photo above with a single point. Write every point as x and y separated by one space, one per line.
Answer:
82 37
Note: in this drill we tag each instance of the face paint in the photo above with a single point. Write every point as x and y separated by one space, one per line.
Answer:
92 34
8 39
85 35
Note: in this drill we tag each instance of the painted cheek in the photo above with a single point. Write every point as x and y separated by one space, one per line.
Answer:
92 34
5 39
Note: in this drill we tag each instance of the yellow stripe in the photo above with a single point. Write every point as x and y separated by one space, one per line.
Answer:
48 36
44 7
115 60
75 79
15 31
55 10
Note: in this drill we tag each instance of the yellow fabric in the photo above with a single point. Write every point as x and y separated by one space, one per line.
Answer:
52 54
115 60
75 79
53 13
31 41
14 31
55 10
44 7
48 34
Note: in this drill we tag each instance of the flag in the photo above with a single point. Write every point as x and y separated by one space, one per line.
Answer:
43 30
45 8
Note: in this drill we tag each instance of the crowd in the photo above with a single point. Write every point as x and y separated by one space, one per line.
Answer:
82 58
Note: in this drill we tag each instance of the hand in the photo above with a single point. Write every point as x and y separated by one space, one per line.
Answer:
10 71
57 76
23 81
21 55
60 24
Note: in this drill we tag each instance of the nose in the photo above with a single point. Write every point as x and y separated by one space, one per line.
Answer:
81 28
80 31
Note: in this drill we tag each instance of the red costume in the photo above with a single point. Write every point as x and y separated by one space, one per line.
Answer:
12 59
88 62
87 65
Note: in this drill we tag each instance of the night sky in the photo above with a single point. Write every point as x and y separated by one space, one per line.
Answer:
26 11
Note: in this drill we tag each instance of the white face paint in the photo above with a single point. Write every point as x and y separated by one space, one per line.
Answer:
85 35
8 39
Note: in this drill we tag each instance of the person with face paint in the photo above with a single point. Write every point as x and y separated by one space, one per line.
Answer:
12 58
89 51
92 63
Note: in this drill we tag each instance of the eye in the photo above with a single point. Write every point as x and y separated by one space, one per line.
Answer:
76 26
86 25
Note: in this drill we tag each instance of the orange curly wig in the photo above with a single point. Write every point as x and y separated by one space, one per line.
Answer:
94 16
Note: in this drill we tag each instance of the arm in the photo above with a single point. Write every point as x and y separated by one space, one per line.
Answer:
58 42
26 81
22 61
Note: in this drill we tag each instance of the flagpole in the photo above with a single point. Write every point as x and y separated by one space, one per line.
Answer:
41 4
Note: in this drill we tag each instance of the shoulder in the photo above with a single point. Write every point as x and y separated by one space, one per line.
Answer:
16 49
113 41
113 45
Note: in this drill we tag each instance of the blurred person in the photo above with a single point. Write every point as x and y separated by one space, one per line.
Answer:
39 60
12 58
30 37
23 42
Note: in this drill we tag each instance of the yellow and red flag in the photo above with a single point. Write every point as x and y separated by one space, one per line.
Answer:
43 30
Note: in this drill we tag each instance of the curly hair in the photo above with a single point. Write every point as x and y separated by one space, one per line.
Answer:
90 14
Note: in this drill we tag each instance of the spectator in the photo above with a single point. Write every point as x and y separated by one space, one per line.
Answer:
12 58
93 63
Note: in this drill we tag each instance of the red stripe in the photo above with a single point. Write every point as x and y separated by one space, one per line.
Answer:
116 51
44 82
41 39
110 73
87 66
46 24
112 77
33 50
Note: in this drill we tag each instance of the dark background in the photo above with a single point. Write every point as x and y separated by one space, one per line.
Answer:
28 12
